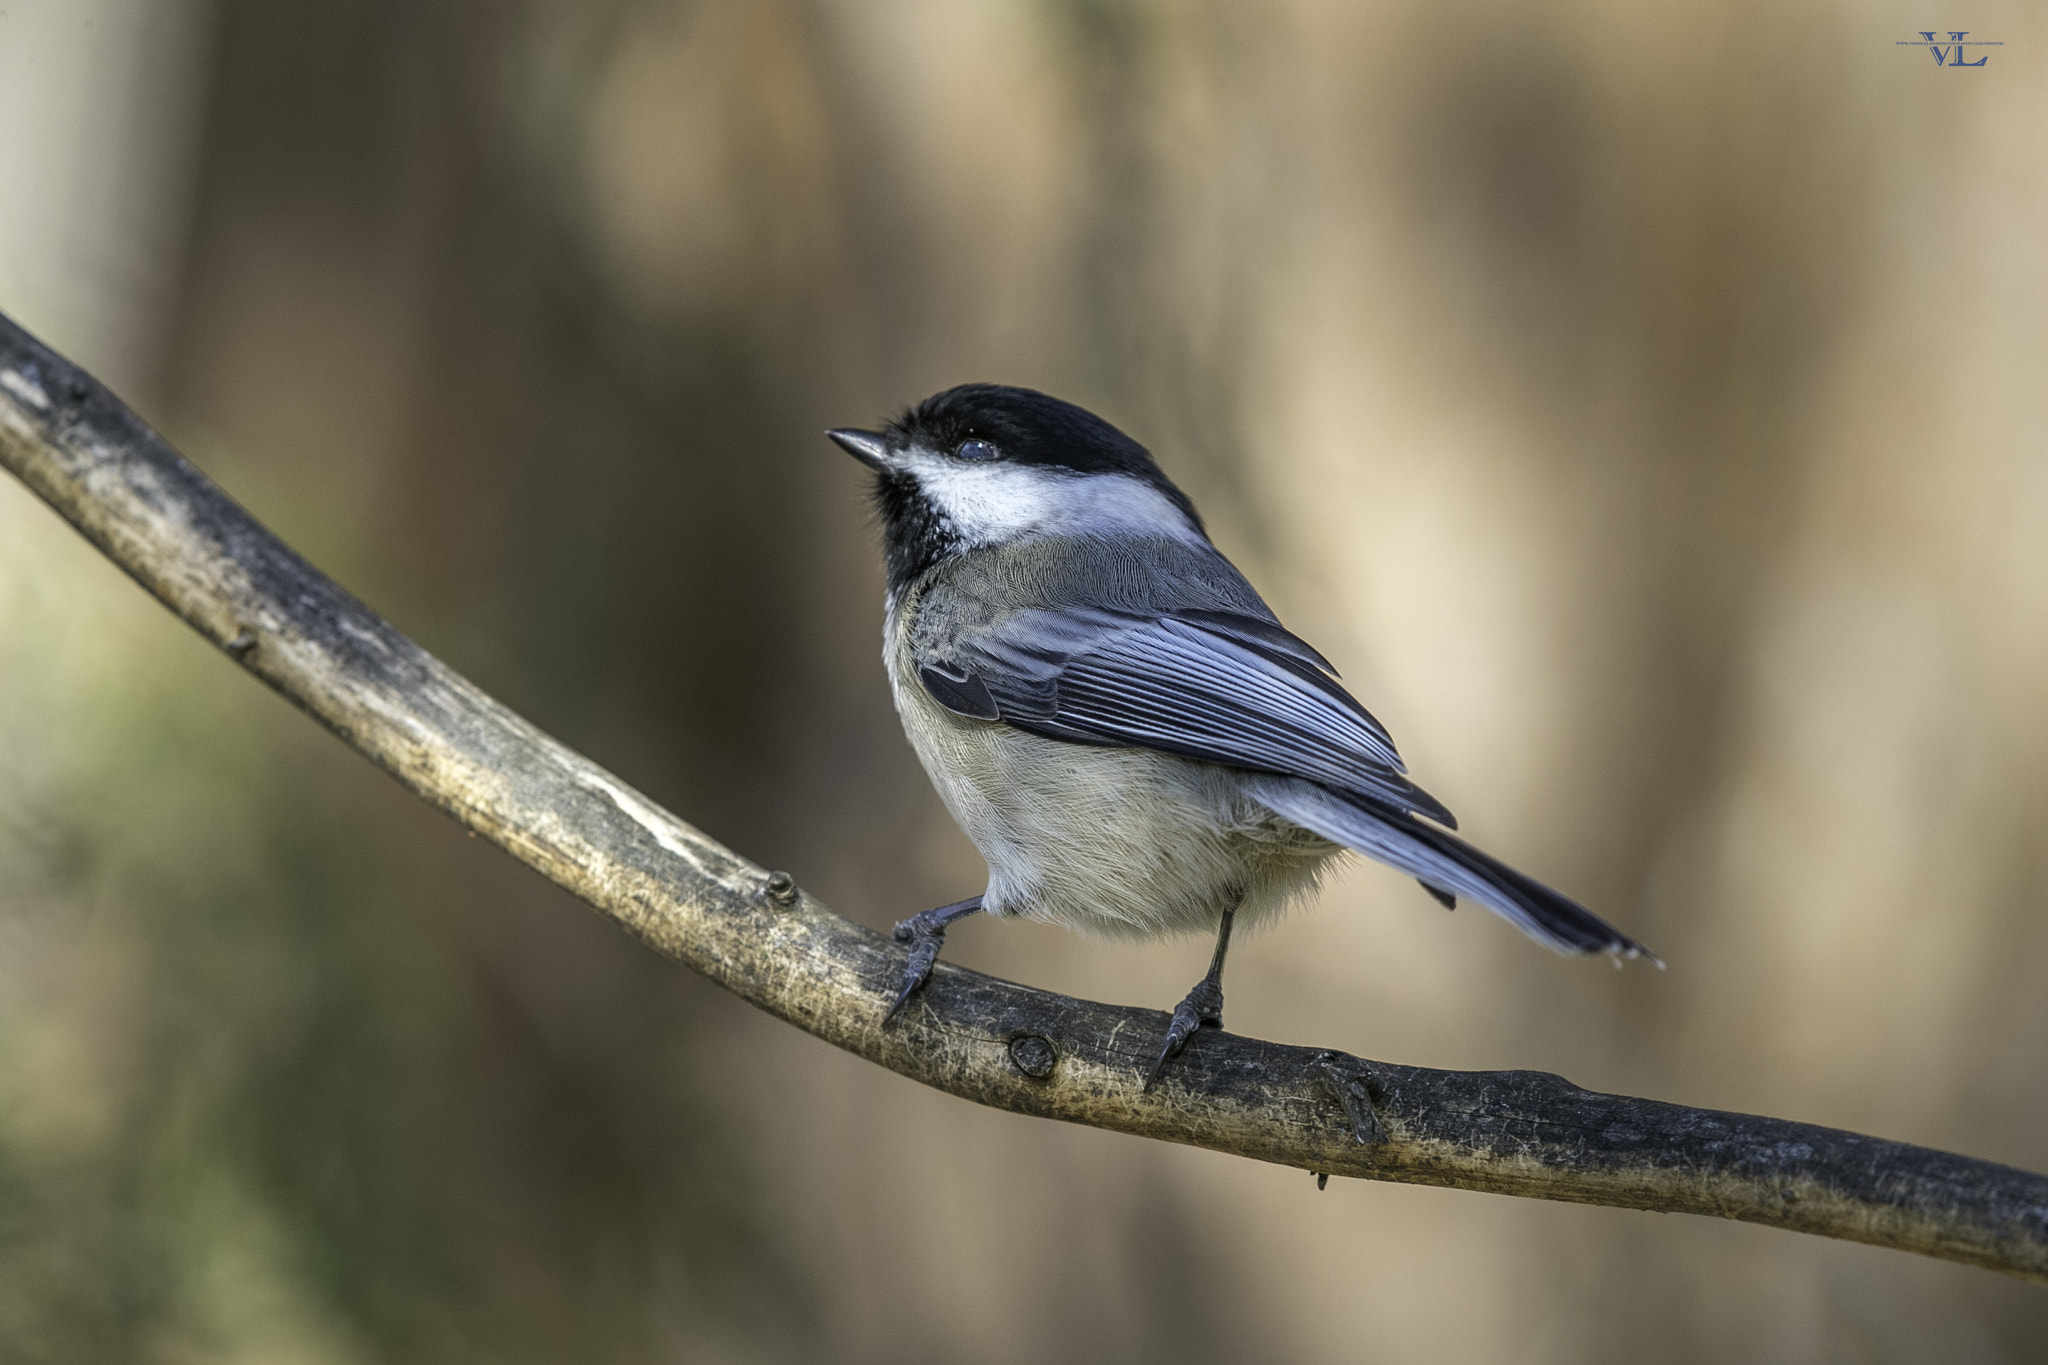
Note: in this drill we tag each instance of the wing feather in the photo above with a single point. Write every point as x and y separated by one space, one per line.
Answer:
1212 685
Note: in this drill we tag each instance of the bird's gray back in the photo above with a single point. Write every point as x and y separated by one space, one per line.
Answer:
1151 576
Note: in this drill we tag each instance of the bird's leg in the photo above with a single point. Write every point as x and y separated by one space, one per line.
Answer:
925 933
1203 1007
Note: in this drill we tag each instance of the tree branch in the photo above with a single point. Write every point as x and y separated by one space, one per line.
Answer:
990 1041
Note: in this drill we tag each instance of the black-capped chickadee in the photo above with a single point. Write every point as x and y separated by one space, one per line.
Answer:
1114 717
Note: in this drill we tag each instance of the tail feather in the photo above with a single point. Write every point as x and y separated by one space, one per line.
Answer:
1447 864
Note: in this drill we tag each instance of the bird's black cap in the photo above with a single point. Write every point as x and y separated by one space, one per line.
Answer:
1024 426
1032 428
1028 427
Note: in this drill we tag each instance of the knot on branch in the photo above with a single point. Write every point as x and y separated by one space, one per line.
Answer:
1351 1081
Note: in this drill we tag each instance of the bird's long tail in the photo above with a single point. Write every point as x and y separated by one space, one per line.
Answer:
1445 863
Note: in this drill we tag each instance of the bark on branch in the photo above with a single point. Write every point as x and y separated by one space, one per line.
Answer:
990 1041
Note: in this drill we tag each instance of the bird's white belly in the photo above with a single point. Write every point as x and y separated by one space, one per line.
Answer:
1121 842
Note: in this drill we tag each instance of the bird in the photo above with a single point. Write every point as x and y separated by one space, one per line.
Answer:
1113 715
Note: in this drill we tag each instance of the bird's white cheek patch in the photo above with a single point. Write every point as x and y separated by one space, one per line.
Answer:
989 504
983 503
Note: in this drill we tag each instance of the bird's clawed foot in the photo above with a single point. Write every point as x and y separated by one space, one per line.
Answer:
926 934
1203 1008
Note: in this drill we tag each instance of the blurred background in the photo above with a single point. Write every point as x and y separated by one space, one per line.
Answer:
1644 406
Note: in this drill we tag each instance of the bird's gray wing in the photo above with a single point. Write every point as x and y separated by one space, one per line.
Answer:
1215 685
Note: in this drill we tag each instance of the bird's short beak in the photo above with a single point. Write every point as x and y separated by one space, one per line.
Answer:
869 447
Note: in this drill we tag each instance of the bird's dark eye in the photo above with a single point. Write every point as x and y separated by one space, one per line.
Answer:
977 449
